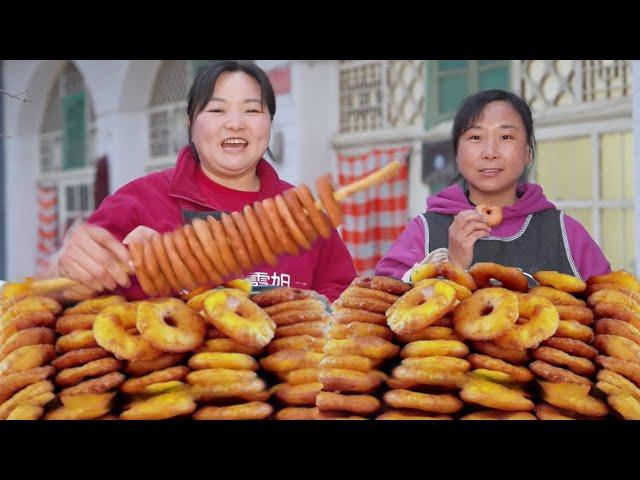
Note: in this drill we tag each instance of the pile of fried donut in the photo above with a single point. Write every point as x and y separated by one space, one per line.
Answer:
450 344
206 252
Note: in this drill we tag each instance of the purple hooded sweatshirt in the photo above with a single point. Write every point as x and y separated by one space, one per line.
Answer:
410 247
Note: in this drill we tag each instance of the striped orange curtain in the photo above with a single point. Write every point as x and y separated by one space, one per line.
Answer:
47 226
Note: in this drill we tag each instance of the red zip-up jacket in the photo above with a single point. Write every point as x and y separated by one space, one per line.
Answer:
160 200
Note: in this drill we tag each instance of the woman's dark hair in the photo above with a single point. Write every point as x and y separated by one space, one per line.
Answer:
202 87
471 109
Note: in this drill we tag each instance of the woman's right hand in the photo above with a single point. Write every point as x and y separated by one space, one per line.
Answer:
467 227
94 257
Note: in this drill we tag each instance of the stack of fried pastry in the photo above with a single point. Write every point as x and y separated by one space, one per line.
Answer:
294 355
615 298
26 350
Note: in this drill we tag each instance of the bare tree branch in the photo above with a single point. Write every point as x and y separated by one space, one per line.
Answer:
19 96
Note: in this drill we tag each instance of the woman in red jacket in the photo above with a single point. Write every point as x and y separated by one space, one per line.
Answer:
230 109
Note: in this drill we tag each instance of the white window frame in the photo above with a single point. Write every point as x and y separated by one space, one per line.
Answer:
176 114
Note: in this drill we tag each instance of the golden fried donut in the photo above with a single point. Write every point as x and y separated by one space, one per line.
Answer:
574 397
185 277
349 362
358 329
498 415
235 242
139 384
431 333
298 342
139 368
258 235
318 218
443 403
297 395
613 286
611 326
95 368
227 360
494 395
518 374
220 238
429 348
242 389
287 360
516 356
299 316
297 377
300 217
363 292
384 284
409 415
620 277
570 329
614 297
578 365
31 304
211 270
541 323
26 411
137 256
626 405
278 295
297 413
77 321
25 321
362 404
409 376
209 245
291 224
14 382
350 315
618 347
187 256
557 297
462 292
617 311
618 381
344 380
544 411
79 357
160 255
154 273
560 281
251 245
98 385
571 346
493 376
448 270
68 413
314 329
491 215
280 230
446 321
240 318
510 277
583 315
324 188
27 358
267 228
76 340
472 321
213 332
370 347
243 411
160 407
228 345
23 338
437 363
362 303
555 374
420 307
217 376
27 395
112 331
184 333
196 302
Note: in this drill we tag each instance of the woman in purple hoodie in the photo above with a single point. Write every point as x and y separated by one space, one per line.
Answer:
494 146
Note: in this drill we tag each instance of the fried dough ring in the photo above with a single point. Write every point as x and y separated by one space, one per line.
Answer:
187 256
349 362
298 316
317 217
228 345
162 259
31 304
76 321
76 340
626 405
239 318
560 281
72 376
443 403
510 277
297 377
619 312
268 228
278 295
297 413
305 304
409 415
620 277
287 360
384 284
112 332
160 407
556 374
139 384
235 242
343 380
300 217
574 397
611 326
243 411
303 394
25 321
578 365
544 411
618 381
370 347
498 415
420 307
618 347
431 333
220 238
243 389
349 315
542 323
571 346
329 203
358 329
298 342
492 216
26 358
363 292
360 404
557 297
615 297
185 333
511 355
226 360
462 292
30 336
154 273
185 277
448 270
407 376
281 232
245 234
75 358
137 256
258 235
138 368
613 286
211 270
471 323
429 348
583 315
570 329
209 245
290 223
314 329
494 395
219 376
518 374
27 395
14 382
96 385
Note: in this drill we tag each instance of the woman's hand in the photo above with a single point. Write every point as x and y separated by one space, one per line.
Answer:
467 227
94 257
139 234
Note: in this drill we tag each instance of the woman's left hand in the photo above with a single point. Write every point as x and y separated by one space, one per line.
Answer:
139 234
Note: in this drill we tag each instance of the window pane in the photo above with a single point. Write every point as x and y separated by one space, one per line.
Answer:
84 197
71 198
564 168
159 134
74 128
451 90
444 65
494 78
616 163
617 237
584 216
488 62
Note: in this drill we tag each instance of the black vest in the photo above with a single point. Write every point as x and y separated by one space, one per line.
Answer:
539 245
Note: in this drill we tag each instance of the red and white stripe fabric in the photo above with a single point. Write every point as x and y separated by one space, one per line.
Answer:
47 226
373 218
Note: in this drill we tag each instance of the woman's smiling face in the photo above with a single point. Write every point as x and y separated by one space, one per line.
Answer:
231 134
